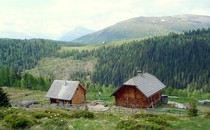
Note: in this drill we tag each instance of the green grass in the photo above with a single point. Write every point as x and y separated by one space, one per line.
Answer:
193 123
92 47
79 48
181 99
59 118
91 96
17 95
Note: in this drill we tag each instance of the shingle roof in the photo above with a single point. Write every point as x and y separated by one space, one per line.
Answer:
61 90
148 84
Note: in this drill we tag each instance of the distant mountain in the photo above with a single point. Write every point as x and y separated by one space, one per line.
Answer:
140 27
21 35
14 35
76 33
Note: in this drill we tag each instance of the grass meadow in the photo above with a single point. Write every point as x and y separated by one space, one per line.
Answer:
44 117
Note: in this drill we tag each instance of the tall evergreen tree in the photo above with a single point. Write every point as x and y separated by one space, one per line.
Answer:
4 99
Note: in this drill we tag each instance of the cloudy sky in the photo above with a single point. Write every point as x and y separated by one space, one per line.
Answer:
56 17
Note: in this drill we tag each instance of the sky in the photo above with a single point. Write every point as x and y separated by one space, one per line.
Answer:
52 18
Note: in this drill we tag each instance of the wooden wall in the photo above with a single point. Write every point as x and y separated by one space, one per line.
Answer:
79 95
130 96
78 98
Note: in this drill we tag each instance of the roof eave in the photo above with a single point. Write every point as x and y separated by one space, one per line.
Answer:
120 88
154 93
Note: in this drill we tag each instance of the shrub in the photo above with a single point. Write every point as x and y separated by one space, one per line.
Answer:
192 111
10 111
168 117
144 126
39 115
146 115
18 121
207 114
126 124
84 114
1 115
140 125
158 121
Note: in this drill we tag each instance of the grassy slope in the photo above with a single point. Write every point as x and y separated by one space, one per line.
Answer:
61 68
17 95
92 47
80 48
102 121
140 27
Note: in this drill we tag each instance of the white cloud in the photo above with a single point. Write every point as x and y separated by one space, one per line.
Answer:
54 17
201 11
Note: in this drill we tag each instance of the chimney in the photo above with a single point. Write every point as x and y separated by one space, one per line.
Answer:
139 72
65 83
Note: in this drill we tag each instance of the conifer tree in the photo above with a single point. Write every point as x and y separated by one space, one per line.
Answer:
4 102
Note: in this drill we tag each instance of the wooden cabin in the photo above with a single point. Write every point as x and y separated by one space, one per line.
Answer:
66 92
141 91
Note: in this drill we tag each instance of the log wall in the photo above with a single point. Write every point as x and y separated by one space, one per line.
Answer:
79 95
130 96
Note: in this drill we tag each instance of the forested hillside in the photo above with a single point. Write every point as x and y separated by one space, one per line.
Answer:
24 54
19 55
179 61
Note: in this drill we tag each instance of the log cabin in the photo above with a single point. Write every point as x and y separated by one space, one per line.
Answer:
141 91
66 92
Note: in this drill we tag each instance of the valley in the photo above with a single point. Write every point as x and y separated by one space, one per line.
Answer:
180 60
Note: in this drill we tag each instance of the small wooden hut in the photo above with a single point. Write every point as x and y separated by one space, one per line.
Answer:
66 92
141 91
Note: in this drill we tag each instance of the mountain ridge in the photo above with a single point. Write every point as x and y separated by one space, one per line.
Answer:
140 27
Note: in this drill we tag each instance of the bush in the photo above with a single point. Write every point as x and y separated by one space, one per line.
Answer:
134 125
146 115
158 121
153 121
1 115
18 121
207 114
10 111
39 115
126 124
84 114
145 126
192 111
